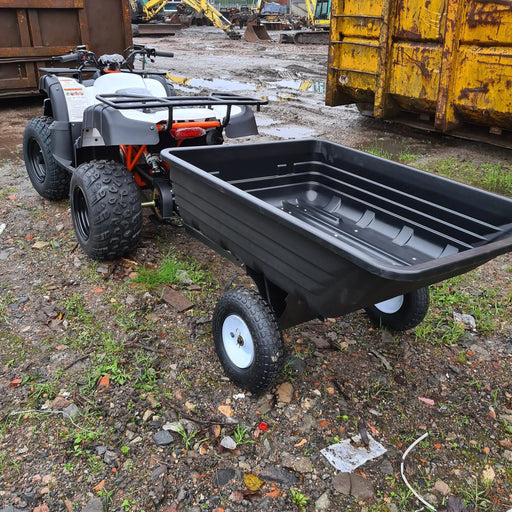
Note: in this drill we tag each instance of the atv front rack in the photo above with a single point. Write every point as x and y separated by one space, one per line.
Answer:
135 101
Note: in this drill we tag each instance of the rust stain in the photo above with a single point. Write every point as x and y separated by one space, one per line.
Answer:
465 93
497 2
481 15
410 35
423 62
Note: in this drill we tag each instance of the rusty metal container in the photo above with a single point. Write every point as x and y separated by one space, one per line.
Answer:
32 31
446 63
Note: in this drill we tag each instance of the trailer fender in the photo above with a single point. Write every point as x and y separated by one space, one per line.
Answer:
242 124
106 126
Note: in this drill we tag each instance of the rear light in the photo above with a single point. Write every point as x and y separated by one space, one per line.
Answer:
187 133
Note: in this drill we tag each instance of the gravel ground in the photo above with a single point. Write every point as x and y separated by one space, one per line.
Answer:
112 397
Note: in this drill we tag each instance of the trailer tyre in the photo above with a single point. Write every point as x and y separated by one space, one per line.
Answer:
49 179
247 340
402 312
106 209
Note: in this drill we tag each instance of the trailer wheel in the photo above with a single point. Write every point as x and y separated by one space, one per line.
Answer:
49 179
247 340
106 209
401 312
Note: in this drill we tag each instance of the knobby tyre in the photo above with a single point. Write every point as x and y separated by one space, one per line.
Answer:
48 178
247 340
106 209
402 312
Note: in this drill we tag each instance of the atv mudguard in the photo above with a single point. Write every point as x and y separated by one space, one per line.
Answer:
242 125
106 126
62 131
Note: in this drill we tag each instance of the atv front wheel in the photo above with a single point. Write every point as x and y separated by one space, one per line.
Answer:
247 340
106 209
49 179
402 312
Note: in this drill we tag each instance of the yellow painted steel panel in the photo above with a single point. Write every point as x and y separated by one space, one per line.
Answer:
354 53
483 85
423 20
358 54
415 73
357 7
452 58
356 67
359 26
487 22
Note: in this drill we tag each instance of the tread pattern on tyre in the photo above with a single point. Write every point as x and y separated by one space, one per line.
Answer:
268 342
410 315
55 185
114 209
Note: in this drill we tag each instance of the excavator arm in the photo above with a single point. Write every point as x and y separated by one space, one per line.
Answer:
148 18
205 8
310 6
152 8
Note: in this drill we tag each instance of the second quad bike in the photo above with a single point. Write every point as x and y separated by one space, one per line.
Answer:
99 140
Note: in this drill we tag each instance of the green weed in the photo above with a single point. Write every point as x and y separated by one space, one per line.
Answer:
171 271
43 391
492 177
459 295
113 366
378 150
188 437
476 494
5 192
404 155
240 435
75 307
5 301
147 374
127 504
298 499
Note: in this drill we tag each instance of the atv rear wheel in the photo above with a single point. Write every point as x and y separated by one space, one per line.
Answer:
106 209
49 179
402 312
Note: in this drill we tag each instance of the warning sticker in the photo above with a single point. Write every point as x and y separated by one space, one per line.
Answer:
76 99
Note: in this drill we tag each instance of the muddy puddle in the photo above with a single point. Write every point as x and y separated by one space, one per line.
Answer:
268 88
268 126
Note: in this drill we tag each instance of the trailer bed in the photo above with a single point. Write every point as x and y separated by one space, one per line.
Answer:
334 228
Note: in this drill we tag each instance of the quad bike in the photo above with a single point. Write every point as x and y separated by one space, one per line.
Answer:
99 139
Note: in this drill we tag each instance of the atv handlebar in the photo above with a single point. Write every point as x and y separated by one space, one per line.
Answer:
81 56
84 57
158 53
70 57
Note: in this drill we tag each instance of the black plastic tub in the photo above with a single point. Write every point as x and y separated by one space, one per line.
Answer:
330 228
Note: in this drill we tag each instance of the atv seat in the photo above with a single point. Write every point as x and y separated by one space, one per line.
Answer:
129 83
138 91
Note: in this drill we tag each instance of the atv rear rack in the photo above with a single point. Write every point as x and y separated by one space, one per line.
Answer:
135 101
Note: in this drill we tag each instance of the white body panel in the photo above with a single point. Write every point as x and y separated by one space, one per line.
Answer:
79 97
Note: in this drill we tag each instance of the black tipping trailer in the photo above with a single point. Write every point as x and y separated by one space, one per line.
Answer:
325 230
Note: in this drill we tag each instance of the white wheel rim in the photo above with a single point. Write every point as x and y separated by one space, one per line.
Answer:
238 342
391 306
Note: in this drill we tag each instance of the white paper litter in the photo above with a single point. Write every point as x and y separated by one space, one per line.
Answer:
348 455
